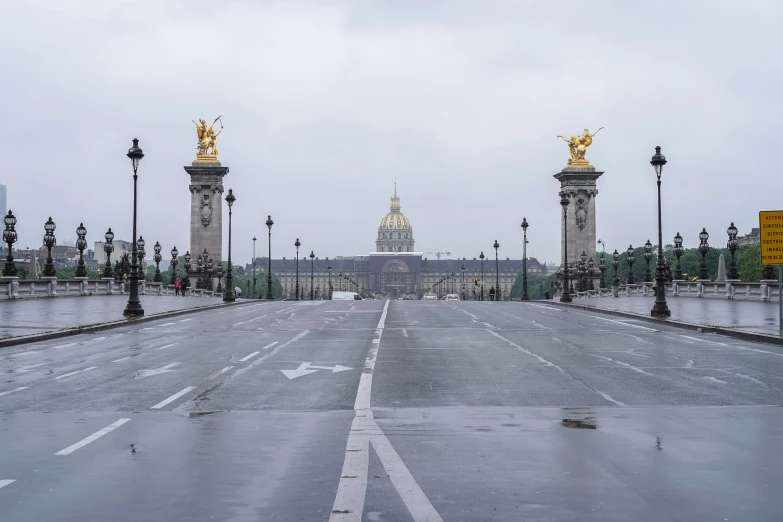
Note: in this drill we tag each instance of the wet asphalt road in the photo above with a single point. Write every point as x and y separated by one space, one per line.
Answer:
477 411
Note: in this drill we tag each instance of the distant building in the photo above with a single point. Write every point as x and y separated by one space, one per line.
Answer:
749 239
3 200
120 247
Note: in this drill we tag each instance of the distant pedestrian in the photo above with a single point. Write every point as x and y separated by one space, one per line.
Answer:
237 291
177 286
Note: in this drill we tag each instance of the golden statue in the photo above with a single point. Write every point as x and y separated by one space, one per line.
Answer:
577 145
206 150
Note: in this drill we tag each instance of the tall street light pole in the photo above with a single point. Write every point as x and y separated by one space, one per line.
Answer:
269 224
659 309
133 308
254 267
329 268
481 293
229 296
565 295
297 244
497 272
312 275
525 296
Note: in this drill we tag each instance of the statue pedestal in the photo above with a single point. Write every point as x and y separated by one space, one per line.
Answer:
579 185
206 210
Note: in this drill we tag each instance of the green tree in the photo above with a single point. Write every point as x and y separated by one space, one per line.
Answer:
537 285
749 263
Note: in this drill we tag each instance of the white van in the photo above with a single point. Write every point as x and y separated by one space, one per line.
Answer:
346 296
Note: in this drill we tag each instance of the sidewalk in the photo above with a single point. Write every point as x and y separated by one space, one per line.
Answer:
35 316
748 316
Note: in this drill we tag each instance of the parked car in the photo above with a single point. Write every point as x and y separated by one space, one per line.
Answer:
429 297
452 297
346 296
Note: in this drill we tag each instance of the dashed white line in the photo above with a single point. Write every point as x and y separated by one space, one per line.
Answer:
173 398
122 358
167 324
95 436
183 320
617 322
5 482
97 339
167 346
67 345
268 346
632 367
713 379
9 392
220 372
73 373
147 329
248 357
21 354
703 340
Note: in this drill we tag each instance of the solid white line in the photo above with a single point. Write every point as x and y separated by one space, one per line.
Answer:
21 354
224 370
544 306
268 346
64 345
173 398
246 357
167 346
702 340
74 373
97 339
183 320
146 329
122 358
5 482
9 392
97 435
349 501
632 367
167 324
617 322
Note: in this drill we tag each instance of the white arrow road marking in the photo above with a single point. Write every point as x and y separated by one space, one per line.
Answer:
73 373
5 482
248 357
336 368
173 398
299 372
9 392
149 373
405 332
95 436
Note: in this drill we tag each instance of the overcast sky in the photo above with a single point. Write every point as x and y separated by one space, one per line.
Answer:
326 103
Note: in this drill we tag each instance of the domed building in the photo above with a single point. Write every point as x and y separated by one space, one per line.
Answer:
395 233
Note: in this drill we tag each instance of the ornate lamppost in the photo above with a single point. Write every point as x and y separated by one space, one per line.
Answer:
269 224
602 269
648 253
565 296
590 274
210 265
9 238
174 261
732 246
133 308
616 266
228 295
108 248
497 271
297 244
329 268
187 270
157 258
525 296
678 250
140 244
81 244
49 241
254 267
704 247
199 269
220 277
452 282
660 308
482 276
312 274
631 261
462 269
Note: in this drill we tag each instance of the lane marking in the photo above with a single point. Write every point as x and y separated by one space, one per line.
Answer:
548 363
632 367
268 346
21 354
220 372
250 320
702 340
28 368
167 324
405 332
184 320
263 358
9 392
96 339
147 329
547 307
713 379
5 482
167 346
59 346
248 357
157 371
173 398
73 373
122 358
616 322
95 436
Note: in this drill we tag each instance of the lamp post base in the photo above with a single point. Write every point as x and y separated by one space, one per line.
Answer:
133 310
660 311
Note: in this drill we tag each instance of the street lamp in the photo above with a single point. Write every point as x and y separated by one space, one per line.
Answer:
228 295
525 296
49 240
482 277
187 271
210 265
452 282
565 296
81 244
199 269
297 244
174 261
590 274
254 267
704 247
269 224
312 274
220 277
141 254
463 280
678 250
582 285
631 261
660 308
133 308
648 253
602 269
497 271
732 246
157 258
9 237
330 281
616 266
108 248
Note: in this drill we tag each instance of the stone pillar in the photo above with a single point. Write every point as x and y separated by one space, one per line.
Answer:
578 183
206 211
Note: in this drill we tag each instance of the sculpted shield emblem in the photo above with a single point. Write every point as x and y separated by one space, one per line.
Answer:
206 210
581 213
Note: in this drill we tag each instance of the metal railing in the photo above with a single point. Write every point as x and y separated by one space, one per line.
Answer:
24 289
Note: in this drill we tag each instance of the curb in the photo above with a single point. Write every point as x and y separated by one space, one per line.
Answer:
13 341
745 336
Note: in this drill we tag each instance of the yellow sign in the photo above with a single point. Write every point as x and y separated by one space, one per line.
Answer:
771 237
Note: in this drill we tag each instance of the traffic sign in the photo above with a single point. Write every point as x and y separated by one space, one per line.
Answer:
771 237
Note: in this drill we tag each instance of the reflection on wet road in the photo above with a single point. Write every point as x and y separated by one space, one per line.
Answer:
394 410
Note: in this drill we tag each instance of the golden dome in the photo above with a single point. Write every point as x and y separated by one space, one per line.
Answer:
395 220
